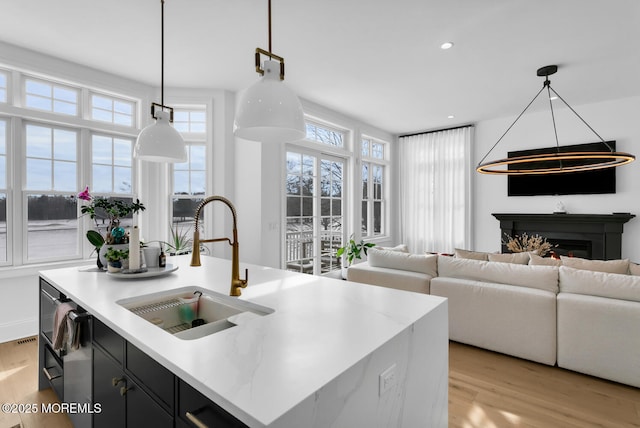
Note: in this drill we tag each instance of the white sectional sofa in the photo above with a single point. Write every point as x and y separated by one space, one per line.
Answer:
503 307
599 324
546 311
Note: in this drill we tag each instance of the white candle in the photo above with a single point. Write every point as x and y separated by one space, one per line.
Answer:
134 248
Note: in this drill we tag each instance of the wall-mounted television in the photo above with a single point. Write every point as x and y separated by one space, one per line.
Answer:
574 183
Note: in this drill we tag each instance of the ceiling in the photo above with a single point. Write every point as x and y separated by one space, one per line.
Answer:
375 60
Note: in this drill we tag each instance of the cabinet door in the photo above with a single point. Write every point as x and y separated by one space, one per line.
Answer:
105 374
143 411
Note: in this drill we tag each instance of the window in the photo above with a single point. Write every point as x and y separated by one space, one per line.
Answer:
44 163
3 87
47 96
51 184
3 191
314 214
190 177
112 110
111 164
325 135
190 121
373 188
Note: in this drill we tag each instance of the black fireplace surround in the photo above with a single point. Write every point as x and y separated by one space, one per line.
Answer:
591 236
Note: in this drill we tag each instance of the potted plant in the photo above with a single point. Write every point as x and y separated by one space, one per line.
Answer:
115 258
110 210
352 250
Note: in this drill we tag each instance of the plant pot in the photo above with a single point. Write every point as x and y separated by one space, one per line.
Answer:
114 267
105 248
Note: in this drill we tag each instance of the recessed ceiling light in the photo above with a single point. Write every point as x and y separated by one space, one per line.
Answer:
450 116
446 45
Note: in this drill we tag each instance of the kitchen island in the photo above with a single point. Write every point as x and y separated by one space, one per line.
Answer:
330 353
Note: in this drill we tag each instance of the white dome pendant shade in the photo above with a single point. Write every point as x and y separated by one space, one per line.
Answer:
160 142
269 111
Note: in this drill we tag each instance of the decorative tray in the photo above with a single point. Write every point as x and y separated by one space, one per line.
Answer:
151 272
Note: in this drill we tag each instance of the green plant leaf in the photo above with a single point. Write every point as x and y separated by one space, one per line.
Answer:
96 239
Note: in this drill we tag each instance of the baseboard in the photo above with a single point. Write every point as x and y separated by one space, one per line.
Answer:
18 329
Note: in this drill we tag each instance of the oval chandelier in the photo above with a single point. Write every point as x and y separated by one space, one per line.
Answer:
556 162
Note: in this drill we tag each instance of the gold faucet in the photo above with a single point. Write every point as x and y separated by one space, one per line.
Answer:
236 283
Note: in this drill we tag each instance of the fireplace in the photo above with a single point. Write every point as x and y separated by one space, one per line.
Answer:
591 236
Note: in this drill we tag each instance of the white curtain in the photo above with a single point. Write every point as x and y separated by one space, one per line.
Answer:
435 205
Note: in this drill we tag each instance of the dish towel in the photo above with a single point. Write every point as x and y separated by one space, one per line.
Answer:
62 326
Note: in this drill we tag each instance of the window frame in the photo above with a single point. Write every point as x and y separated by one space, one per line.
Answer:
371 162
18 116
191 139
113 99
25 78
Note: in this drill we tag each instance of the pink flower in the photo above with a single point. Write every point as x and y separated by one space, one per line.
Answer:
85 195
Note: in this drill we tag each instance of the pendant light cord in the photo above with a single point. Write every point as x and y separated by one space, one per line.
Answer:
269 15
162 55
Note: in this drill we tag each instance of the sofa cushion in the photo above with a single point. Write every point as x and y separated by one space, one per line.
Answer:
517 258
390 278
473 255
610 266
519 321
536 260
400 247
423 263
542 277
602 284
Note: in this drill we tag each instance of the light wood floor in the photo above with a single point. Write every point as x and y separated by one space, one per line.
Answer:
486 390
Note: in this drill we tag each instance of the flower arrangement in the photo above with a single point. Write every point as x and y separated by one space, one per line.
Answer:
107 209
525 243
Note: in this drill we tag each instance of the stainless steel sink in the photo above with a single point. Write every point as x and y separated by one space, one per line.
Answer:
174 311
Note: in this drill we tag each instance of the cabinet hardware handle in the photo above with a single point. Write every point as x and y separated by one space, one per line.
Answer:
116 380
124 390
48 375
197 422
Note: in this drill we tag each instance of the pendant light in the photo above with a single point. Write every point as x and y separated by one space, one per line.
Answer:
557 162
269 111
160 142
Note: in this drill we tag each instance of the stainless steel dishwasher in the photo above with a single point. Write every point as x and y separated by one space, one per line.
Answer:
66 370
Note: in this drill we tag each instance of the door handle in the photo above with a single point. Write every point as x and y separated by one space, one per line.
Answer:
194 420
116 380
48 375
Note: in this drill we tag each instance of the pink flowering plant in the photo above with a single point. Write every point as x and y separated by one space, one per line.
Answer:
100 208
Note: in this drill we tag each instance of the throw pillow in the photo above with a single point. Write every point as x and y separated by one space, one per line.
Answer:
634 269
423 263
609 266
473 255
517 258
536 260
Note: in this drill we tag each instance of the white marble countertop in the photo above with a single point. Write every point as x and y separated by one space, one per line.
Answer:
259 370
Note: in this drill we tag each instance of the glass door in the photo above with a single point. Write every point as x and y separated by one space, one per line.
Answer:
314 192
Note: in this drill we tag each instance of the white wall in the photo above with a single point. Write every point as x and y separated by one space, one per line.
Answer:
613 120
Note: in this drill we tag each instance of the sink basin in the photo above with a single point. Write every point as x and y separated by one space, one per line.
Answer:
174 311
